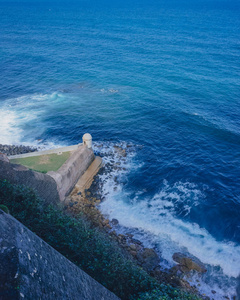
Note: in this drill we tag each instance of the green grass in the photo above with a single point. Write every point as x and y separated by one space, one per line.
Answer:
43 163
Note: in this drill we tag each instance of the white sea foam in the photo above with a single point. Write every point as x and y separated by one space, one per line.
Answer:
154 221
21 120
9 132
111 90
157 218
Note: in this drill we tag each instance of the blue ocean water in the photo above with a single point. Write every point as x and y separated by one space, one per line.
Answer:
162 74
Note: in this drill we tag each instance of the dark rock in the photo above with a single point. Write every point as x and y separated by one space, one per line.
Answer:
108 226
149 259
13 149
120 151
105 222
134 253
214 292
3 157
113 233
133 247
157 271
114 222
121 237
129 235
186 264
136 241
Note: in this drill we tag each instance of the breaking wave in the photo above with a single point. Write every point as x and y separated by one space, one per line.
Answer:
21 120
155 221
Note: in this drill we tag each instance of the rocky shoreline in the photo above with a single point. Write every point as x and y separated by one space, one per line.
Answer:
87 203
16 149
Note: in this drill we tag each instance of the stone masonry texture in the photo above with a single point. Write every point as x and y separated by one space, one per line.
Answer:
31 269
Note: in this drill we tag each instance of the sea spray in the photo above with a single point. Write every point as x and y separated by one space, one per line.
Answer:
22 121
154 221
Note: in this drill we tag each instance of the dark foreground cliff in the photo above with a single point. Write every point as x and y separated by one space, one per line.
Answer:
31 269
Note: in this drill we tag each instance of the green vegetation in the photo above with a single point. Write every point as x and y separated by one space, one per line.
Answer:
92 250
4 208
165 292
43 163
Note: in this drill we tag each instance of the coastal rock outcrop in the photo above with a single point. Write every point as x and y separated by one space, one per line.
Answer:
149 259
114 222
87 203
16 149
186 264
122 152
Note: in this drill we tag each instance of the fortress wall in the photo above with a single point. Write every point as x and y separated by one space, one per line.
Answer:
31 269
53 186
69 173
44 185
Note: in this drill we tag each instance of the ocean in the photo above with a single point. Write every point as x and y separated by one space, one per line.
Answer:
161 76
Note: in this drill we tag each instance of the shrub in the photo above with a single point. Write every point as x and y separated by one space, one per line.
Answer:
166 292
4 208
90 249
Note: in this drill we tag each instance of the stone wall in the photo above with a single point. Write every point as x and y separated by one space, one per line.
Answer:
53 186
31 269
44 185
69 173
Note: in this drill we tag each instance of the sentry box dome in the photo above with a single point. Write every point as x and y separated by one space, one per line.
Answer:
87 140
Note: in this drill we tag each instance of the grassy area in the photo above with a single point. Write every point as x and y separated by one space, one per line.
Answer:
90 249
43 163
